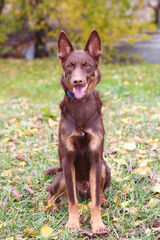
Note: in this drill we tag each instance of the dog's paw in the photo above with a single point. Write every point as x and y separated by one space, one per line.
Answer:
99 228
72 226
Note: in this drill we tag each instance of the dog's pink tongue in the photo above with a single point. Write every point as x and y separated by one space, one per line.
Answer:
78 92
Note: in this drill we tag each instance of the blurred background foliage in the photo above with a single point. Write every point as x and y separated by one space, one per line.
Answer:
40 21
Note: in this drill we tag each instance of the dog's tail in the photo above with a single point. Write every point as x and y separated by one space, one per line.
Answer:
53 170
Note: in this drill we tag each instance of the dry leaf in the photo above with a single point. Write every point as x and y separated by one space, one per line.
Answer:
46 231
6 173
154 223
2 225
29 189
83 208
10 238
120 161
131 210
156 188
116 219
20 157
125 204
16 194
137 223
142 170
153 201
30 231
130 146
104 214
5 201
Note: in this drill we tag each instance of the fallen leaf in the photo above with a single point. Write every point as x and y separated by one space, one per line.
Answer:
5 201
117 226
30 231
153 201
142 170
131 210
120 161
16 194
10 238
20 157
154 223
104 214
137 223
29 189
156 188
125 204
3 225
116 219
6 173
83 218
46 231
130 146
83 208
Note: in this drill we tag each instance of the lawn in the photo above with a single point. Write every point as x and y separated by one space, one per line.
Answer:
29 97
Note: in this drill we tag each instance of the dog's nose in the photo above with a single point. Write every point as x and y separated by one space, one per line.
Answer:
77 81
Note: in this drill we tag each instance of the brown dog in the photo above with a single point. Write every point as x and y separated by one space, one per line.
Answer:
81 133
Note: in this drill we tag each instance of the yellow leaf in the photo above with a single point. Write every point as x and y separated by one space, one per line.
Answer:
125 204
83 207
123 151
104 214
46 231
6 173
52 123
5 140
10 238
137 223
48 206
153 201
116 219
23 164
126 83
131 210
130 146
156 188
30 231
142 170
2 225
120 161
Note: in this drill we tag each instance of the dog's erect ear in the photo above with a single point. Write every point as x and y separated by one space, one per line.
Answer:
93 46
64 46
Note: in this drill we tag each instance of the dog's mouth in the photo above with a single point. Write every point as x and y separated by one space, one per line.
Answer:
79 92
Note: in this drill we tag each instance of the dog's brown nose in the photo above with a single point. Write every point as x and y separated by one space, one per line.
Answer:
77 81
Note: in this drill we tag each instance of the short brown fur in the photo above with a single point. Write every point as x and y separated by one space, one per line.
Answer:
81 133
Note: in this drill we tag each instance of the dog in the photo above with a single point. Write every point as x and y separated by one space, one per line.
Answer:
82 170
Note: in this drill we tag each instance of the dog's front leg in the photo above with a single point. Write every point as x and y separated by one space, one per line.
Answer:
95 185
70 179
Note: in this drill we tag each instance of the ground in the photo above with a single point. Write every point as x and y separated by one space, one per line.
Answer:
29 97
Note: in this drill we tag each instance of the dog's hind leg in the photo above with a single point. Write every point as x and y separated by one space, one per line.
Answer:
56 189
105 181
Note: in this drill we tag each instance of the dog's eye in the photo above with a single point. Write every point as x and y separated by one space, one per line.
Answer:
69 66
87 65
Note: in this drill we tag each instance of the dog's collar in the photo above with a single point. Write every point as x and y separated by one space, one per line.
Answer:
70 94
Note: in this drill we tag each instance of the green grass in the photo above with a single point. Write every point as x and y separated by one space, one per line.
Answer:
29 99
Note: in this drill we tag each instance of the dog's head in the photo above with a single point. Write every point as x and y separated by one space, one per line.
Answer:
81 73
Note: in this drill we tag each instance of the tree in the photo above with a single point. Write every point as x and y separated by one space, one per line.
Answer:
44 19
156 9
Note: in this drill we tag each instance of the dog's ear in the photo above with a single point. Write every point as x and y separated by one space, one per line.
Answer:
64 46
93 46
